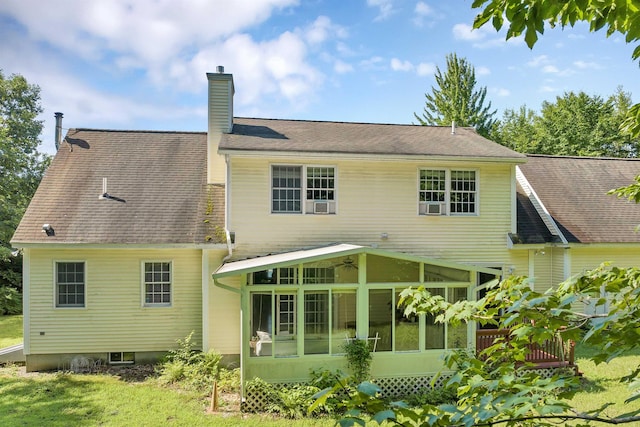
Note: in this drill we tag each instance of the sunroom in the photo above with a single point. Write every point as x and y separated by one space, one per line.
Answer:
300 308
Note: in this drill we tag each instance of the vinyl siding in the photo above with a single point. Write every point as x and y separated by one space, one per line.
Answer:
224 313
589 257
113 318
373 197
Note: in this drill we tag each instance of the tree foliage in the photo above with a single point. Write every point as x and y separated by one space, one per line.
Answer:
529 17
575 124
456 98
21 165
497 386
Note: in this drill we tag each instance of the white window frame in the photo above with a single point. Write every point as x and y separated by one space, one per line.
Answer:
144 283
56 285
308 206
445 209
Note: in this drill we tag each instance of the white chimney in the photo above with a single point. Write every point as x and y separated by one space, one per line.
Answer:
220 117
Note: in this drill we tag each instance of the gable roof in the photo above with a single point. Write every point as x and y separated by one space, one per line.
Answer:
574 192
157 184
315 137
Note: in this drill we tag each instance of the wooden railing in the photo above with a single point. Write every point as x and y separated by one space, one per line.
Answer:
551 353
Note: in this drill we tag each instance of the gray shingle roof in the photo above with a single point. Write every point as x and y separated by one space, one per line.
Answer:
158 184
574 191
360 138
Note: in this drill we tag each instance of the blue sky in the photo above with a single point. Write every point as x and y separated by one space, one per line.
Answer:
141 64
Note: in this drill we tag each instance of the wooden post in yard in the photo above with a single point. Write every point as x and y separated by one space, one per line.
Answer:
213 407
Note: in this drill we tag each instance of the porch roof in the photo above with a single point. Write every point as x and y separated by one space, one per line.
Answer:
251 265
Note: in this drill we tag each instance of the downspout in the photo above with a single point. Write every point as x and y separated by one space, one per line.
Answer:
227 215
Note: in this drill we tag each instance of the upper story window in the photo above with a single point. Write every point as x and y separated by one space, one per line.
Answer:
157 283
448 192
70 284
315 194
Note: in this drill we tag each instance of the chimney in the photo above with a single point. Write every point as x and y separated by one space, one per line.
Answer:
220 118
58 139
453 127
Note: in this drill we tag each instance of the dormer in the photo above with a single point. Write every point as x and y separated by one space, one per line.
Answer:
220 118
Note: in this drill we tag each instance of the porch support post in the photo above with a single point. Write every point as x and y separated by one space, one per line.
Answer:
363 298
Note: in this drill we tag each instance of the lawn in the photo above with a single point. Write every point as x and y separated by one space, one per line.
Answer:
61 399
601 383
10 330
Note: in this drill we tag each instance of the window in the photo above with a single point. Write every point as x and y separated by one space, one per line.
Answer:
448 192
275 276
157 283
288 188
121 357
70 284
329 318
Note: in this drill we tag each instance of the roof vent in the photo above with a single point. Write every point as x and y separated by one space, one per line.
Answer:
453 127
58 137
220 69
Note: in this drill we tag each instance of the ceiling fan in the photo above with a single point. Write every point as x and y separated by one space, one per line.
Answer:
347 263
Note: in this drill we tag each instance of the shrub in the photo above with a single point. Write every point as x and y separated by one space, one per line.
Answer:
359 358
434 396
10 301
194 369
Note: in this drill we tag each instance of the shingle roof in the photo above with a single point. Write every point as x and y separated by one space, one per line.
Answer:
531 228
360 138
574 191
158 184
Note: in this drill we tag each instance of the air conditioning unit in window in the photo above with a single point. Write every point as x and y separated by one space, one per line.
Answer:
320 207
433 208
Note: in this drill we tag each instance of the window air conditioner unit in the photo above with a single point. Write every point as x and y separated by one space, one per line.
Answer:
434 208
320 207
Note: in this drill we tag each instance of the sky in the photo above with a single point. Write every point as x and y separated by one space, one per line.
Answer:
142 64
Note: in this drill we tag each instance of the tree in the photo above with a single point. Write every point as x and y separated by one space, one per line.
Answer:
530 16
21 165
516 130
456 99
496 387
576 124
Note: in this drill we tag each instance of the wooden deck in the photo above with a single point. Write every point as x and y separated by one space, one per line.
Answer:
554 353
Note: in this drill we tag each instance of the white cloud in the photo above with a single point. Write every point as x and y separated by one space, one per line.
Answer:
385 8
399 65
421 11
341 67
552 69
584 65
483 37
482 71
323 29
375 62
500 91
538 61
426 69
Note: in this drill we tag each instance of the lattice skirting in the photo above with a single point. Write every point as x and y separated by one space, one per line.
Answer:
392 388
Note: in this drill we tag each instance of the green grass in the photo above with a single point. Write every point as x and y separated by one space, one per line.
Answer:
10 330
601 384
88 400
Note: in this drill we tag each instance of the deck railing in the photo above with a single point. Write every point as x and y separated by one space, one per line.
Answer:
550 353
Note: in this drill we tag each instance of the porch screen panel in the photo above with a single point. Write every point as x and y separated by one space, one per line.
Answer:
343 319
434 331
457 335
261 324
316 322
407 330
381 317
285 342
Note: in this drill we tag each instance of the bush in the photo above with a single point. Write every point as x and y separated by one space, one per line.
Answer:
194 369
435 396
10 301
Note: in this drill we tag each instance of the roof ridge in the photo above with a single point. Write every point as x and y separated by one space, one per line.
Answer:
353 123
552 156
137 131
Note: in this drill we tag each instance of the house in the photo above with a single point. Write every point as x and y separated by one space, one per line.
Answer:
276 241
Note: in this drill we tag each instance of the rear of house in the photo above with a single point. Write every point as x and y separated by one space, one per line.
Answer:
277 241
